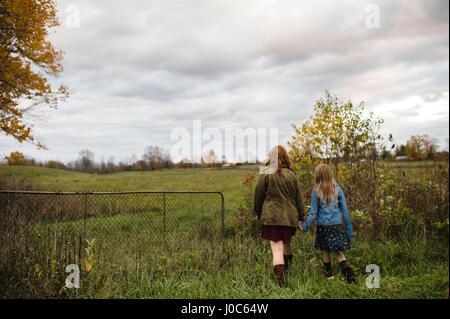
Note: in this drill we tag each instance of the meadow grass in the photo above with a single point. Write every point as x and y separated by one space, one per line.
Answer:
133 261
239 268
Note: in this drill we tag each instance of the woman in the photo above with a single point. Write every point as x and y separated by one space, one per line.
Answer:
279 207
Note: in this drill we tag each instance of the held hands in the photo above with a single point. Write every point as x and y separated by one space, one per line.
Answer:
300 225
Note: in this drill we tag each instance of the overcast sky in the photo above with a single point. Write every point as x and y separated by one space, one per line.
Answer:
139 69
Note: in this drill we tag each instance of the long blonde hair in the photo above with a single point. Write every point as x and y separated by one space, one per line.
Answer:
280 155
325 183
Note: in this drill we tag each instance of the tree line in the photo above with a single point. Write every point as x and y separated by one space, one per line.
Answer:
418 147
154 158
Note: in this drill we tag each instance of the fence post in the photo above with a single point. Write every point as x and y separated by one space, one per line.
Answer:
223 215
164 217
84 214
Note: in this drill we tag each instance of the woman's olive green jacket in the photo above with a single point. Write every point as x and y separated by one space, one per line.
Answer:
278 200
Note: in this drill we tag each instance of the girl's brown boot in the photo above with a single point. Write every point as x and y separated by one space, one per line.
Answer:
327 272
348 272
280 274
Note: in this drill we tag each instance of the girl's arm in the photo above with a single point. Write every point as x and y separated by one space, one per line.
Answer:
260 194
343 207
314 207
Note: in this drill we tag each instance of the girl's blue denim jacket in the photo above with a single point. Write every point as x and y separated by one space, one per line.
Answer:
329 214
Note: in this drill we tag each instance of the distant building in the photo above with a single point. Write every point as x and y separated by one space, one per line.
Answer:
402 158
210 158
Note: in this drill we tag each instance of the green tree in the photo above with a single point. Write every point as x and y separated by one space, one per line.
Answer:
386 154
400 150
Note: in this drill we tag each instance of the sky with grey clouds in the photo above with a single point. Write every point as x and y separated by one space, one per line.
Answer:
139 69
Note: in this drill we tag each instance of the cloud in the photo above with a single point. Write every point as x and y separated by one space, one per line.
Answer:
142 69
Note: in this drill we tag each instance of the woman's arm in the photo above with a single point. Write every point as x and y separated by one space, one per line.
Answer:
299 201
314 207
260 194
343 207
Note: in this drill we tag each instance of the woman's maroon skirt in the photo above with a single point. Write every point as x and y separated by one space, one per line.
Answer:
277 233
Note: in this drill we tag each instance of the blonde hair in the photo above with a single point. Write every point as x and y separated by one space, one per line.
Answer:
325 183
280 155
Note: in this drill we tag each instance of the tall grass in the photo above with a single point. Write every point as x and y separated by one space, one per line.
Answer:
123 255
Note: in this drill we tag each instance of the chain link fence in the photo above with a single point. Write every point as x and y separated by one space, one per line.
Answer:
47 226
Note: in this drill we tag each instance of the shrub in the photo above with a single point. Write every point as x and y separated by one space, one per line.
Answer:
245 223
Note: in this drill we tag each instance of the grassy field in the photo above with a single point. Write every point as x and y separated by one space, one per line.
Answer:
227 181
130 264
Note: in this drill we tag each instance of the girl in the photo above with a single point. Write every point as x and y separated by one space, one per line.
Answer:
279 207
327 203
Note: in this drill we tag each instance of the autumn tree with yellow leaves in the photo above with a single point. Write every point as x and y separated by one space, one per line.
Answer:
338 131
16 158
421 147
345 135
28 61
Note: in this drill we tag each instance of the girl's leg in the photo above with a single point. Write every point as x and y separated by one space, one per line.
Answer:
339 256
327 264
346 269
326 256
277 252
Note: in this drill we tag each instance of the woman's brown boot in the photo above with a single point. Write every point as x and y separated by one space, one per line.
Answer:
280 274
287 261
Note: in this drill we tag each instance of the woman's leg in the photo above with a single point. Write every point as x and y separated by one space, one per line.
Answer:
287 253
278 261
287 248
277 252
